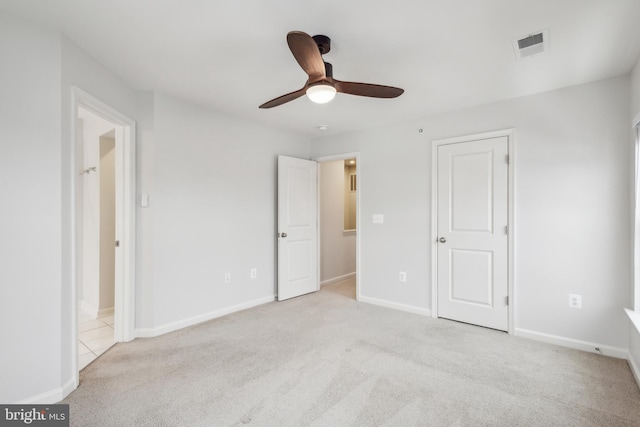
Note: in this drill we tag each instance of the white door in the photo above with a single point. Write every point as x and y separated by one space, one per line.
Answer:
297 227
120 258
472 220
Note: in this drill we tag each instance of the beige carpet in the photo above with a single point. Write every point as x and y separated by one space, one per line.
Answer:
326 360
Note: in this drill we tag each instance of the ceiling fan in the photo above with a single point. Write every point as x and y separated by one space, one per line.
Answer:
321 87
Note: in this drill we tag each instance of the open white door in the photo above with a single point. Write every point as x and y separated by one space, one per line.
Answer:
472 220
297 227
123 312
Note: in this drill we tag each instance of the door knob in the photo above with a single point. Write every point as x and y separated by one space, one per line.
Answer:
442 240
283 235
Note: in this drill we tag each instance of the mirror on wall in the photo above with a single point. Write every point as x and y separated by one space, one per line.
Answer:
350 188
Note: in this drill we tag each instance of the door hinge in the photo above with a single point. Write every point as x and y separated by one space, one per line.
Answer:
117 243
506 229
506 158
506 300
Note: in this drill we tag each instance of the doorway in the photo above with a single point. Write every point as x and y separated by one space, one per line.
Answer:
338 213
472 236
299 247
96 235
103 153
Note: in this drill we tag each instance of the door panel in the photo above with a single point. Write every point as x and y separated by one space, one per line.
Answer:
471 191
298 259
472 216
471 280
297 227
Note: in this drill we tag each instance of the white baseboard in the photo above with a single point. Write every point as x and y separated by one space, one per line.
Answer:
396 306
105 312
93 312
338 279
635 369
587 346
50 397
170 327
68 387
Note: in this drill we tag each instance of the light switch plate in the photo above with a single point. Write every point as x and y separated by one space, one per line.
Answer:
378 218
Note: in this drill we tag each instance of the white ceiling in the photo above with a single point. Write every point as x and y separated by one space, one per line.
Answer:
447 54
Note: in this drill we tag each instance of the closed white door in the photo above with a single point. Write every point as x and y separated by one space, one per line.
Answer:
297 227
472 220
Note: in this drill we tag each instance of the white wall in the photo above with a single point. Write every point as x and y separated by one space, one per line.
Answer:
30 254
145 154
214 211
634 333
337 249
572 207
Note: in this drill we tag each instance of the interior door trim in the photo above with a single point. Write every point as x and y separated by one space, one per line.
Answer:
126 223
510 134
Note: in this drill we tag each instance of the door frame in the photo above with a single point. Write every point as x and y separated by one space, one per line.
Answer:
124 302
511 193
333 158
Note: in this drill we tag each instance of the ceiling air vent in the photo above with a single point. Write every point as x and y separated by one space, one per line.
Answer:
532 44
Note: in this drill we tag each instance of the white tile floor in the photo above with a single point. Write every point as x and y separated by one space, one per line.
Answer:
95 337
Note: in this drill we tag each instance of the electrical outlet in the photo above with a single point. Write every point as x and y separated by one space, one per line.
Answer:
254 273
378 218
227 278
575 301
403 276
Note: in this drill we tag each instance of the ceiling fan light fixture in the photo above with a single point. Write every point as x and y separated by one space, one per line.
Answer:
321 93
321 87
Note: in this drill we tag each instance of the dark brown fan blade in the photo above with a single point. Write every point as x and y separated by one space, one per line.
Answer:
366 89
284 98
306 52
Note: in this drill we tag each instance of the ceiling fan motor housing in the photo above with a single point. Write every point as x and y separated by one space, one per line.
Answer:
323 42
